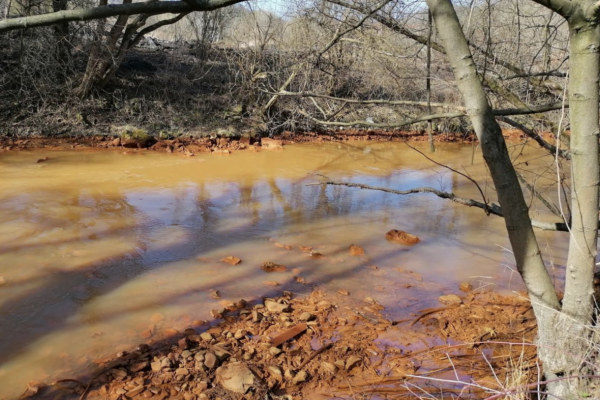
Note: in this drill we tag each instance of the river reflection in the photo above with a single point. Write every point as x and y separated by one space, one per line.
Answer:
101 251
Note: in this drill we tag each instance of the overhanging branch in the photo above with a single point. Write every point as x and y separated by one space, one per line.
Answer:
488 208
113 10
456 114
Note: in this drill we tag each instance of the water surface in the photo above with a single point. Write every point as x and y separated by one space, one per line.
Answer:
104 250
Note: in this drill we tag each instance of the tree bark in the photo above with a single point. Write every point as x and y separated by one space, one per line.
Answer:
520 232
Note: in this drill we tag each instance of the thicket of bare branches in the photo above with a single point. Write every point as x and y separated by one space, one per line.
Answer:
319 64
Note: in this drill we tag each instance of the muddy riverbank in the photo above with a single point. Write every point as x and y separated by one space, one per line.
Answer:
322 346
191 144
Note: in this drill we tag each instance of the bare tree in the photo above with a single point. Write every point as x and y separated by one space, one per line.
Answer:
563 329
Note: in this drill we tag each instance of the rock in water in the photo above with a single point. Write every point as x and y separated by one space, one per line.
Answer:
271 144
272 267
235 377
275 307
231 260
402 237
132 137
356 250
465 287
450 299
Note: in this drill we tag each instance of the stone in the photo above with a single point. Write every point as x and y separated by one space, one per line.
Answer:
344 292
450 299
165 363
185 354
356 250
207 337
116 142
240 334
300 377
272 267
134 392
275 307
275 351
210 360
221 353
137 367
156 366
182 371
256 316
351 362
235 377
231 260
182 343
132 137
271 144
329 367
306 316
465 287
401 237
274 370
118 374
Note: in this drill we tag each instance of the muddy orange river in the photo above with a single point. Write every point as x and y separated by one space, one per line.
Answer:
101 251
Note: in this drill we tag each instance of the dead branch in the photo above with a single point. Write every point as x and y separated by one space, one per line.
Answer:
485 201
112 10
549 205
490 209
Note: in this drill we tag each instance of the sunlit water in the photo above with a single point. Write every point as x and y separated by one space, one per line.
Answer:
103 250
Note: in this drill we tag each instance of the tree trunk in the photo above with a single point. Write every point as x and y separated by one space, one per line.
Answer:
563 337
566 356
520 232
428 82
61 34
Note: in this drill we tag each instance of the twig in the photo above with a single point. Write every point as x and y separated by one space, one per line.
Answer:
314 354
429 311
457 172
86 391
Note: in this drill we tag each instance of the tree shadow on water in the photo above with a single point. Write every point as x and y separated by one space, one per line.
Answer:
48 302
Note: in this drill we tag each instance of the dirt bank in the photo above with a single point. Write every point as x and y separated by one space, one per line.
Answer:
190 145
322 344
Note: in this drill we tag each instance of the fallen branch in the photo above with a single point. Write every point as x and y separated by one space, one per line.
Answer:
500 113
490 209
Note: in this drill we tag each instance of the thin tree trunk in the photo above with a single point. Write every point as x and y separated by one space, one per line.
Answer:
428 82
61 34
573 333
520 232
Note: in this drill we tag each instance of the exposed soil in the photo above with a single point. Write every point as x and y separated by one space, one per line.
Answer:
322 345
190 145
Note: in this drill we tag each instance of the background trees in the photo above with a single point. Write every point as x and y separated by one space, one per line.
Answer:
360 63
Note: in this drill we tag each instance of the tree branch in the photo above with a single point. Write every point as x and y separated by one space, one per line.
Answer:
457 114
354 101
113 10
376 125
530 133
396 27
490 209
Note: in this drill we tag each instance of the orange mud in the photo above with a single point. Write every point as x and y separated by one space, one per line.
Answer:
191 145
316 347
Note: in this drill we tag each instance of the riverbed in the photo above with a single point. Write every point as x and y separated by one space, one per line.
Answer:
103 250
